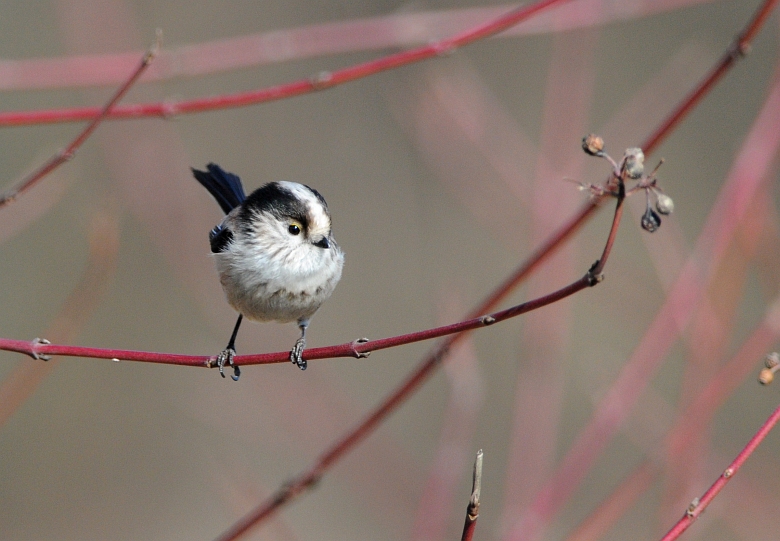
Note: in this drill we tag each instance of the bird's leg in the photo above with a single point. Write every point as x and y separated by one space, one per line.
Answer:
226 357
297 350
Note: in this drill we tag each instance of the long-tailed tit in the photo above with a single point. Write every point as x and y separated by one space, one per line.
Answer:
275 253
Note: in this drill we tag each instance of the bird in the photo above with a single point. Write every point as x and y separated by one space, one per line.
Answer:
275 254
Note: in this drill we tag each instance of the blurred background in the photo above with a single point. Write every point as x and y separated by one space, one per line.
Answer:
442 177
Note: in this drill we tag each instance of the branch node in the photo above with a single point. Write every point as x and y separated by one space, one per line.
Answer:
728 473
170 109
594 277
8 197
295 486
487 320
313 481
322 80
359 354
33 349
444 49
691 511
740 49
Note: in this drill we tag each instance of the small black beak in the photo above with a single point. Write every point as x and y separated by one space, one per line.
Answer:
324 243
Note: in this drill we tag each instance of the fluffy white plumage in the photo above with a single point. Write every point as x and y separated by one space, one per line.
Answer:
275 253
270 274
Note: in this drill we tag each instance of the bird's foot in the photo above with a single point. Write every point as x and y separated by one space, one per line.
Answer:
226 358
297 352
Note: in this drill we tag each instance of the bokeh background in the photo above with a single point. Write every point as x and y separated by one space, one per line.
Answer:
441 177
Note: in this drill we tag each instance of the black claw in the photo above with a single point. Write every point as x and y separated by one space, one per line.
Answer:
236 373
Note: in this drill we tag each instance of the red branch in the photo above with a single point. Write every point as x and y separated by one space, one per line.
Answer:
340 448
19 384
698 506
70 151
738 49
699 413
472 510
358 348
393 31
321 81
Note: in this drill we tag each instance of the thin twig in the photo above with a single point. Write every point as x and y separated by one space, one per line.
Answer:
359 348
636 373
349 441
698 505
396 30
25 378
340 448
472 510
323 80
738 49
699 413
597 524
70 151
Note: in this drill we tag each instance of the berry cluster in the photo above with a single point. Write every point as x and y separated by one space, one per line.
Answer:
630 169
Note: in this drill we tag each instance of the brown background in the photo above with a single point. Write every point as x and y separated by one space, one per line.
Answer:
441 178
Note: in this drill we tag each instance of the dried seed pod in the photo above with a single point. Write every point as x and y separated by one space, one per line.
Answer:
634 163
664 204
772 360
772 363
593 144
650 221
766 376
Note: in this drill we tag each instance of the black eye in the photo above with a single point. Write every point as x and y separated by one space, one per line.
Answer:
294 229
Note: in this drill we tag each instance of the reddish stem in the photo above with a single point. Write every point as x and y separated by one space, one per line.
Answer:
738 49
597 524
358 348
697 507
70 151
393 31
319 82
24 379
699 413
309 477
340 448
472 510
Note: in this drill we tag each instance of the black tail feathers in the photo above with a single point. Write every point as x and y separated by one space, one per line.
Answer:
225 187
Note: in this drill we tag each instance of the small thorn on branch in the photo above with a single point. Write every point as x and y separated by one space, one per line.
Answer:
472 511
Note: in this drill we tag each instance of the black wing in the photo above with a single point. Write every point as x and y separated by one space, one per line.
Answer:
225 187
219 238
